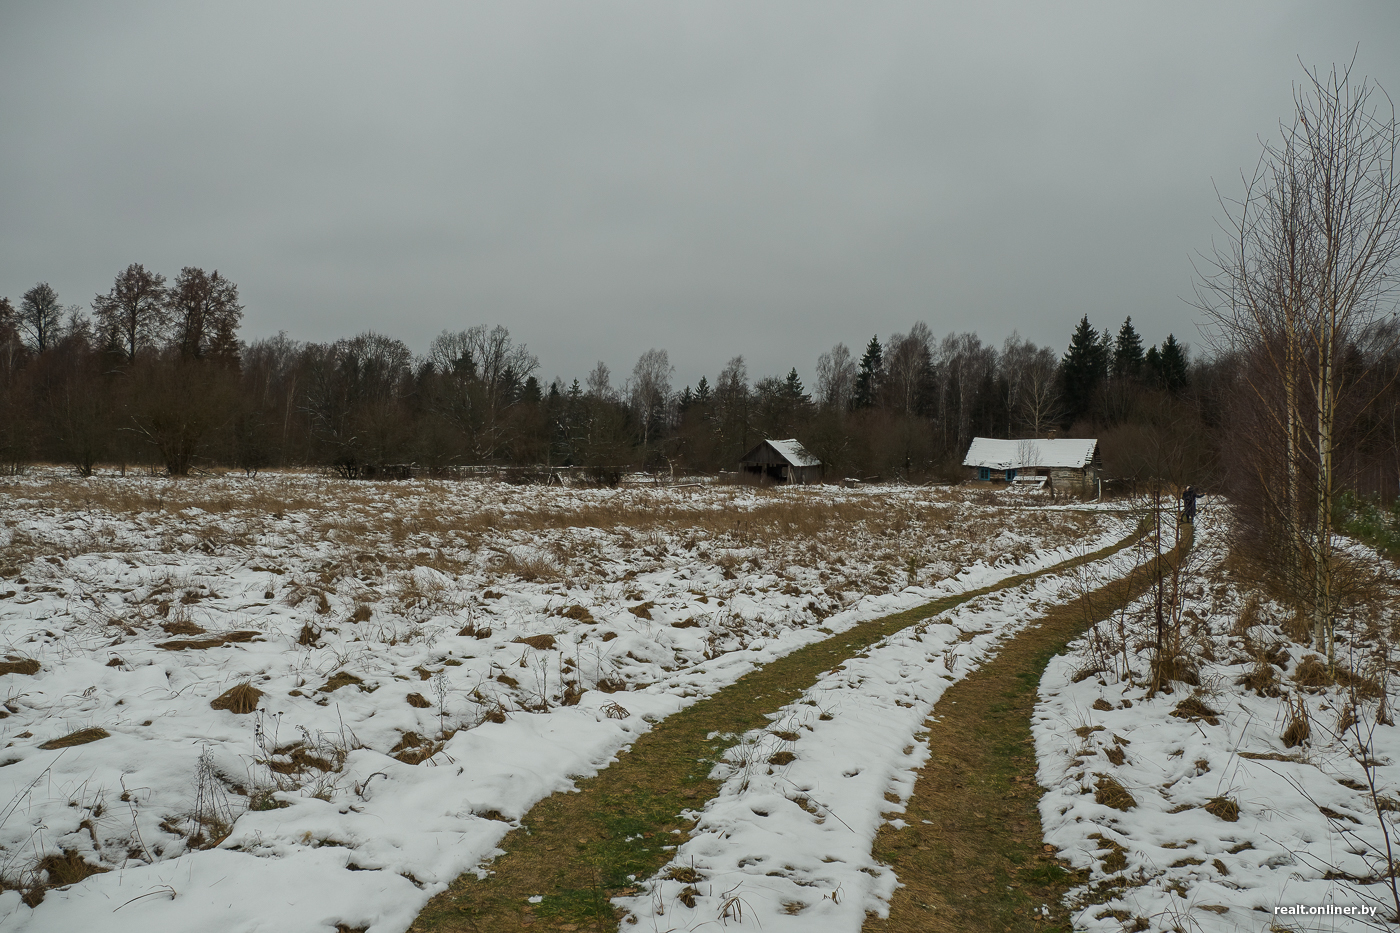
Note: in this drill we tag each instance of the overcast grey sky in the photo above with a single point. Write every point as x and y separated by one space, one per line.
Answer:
709 178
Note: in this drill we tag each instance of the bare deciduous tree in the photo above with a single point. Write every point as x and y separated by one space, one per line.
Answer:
651 390
836 378
1032 380
731 411
599 382
481 372
908 360
40 317
205 313
353 397
1314 254
965 362
133 314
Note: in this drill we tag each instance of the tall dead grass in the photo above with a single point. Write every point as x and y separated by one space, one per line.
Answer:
436 508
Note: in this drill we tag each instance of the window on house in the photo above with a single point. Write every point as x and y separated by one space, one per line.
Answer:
1010 475
984 473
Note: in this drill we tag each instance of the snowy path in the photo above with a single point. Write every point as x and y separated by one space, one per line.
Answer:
787 842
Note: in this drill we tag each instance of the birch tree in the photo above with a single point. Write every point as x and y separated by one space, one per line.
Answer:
1312 261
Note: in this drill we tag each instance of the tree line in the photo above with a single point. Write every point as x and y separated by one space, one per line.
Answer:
157 375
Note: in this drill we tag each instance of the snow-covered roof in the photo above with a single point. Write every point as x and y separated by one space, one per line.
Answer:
1030 452
794 453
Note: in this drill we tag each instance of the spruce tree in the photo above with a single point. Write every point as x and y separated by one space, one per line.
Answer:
1152 367
792 388
1172 366
1127 352
872 367
1084 366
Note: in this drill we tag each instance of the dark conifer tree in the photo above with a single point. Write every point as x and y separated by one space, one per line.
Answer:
868 377
1172 366
1083 368
792 388
1127 352
1152 367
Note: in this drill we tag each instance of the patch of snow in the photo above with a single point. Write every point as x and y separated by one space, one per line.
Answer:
1308 833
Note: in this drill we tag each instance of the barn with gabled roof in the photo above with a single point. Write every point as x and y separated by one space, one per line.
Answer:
1069 465
782 462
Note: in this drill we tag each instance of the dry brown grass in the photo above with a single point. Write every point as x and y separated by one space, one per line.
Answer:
418 507
17 665
197 644
1249 616
532 568
341 679
1110 793
1192 709
383 529
136 494
182 627
1312 672
1299 726
414 749
298 759
55 871
1224 808
240 699
81 737
1364 686
1262 678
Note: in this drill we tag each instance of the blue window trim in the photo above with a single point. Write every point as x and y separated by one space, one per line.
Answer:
1010 476
984 473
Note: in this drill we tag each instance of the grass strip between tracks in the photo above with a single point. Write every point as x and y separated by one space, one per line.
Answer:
577 850
969 856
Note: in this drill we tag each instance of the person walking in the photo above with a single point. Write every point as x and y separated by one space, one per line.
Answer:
1188 504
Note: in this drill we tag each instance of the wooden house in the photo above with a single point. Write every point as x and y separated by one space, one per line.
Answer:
781 462
1065 465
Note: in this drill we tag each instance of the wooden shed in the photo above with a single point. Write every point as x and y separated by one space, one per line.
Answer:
782 462
1066 465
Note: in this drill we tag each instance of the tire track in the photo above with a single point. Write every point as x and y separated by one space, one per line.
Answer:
575 851
968 850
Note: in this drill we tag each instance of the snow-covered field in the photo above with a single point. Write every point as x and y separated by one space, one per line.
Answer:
1227 816
423 662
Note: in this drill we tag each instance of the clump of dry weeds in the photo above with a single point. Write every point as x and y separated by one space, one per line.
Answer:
81 737
1110 793
240 699
17 665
